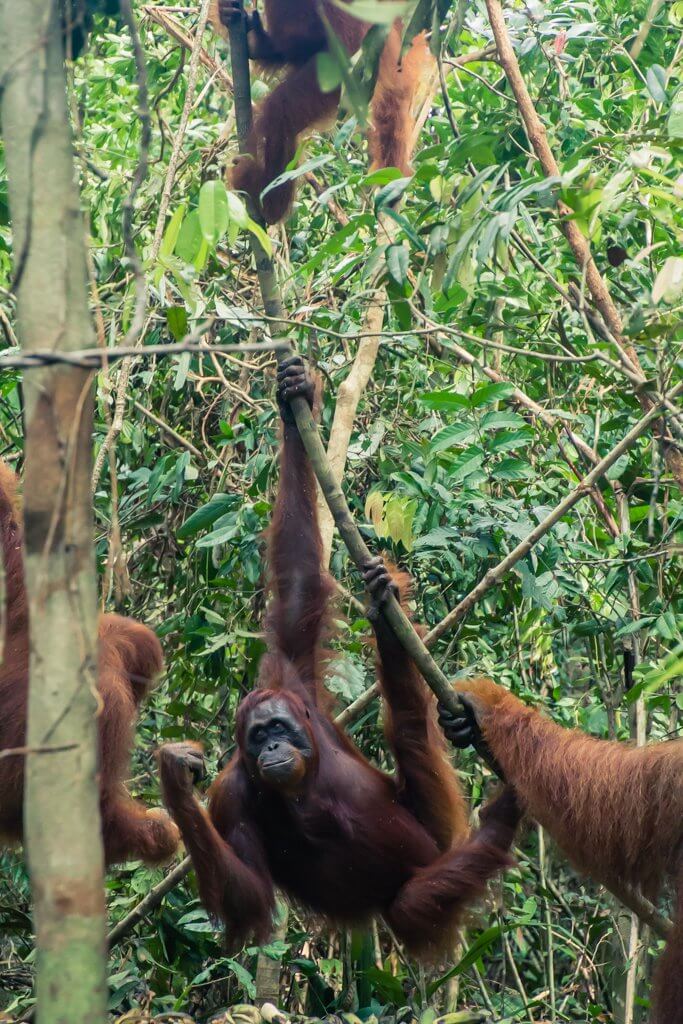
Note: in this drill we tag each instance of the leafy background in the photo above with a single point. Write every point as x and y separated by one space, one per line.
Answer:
444 470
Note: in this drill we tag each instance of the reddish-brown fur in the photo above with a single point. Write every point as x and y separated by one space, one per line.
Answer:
353 841
129 660
294 36
616 811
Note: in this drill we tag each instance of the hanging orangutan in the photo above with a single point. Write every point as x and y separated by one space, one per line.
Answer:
294 36
298 806
615 810
129 661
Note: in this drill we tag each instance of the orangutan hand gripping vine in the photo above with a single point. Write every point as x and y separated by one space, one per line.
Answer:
129 660
298 806
295 35
616 811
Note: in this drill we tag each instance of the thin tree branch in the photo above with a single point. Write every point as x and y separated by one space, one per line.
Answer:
94 358
149 902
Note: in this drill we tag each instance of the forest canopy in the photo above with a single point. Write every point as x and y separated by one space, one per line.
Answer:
488 329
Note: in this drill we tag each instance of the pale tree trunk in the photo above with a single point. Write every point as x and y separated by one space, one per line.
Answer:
62 823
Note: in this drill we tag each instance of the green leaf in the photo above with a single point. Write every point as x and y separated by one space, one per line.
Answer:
470 460
220 536
397 259
508 440
176 318
502 419
374 509
182 368
483 942
655 678
399 513
449 437
237 211
205 516
213 211
356 95
296 172
438 239
668 286
490 393
511 469
376 12
202 256
327 69
446 399
656 83
262 236
674 124
387 984
168 243
189 238
667 626
382 176
244 978
441 537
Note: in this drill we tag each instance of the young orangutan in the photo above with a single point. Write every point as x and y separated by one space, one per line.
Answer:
615 810
294 36
129 661
299 806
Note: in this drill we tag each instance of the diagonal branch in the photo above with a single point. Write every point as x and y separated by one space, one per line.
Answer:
174 29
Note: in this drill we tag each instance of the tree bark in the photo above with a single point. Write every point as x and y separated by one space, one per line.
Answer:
62 822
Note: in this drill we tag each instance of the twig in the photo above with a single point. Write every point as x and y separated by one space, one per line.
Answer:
493 576
58 748
167 429
488 53
7 328
94 358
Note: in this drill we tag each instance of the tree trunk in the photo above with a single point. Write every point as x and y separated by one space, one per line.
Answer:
62 823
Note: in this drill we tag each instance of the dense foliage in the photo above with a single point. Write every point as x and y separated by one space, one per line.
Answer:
446 467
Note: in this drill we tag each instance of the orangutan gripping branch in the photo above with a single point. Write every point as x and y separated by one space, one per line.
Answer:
615 810
129 660
298 806
295 35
